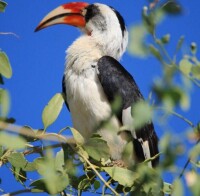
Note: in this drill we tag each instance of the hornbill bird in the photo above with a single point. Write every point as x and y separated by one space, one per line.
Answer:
93 77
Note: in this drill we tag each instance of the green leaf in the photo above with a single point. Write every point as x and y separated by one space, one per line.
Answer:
148 20
167 189
196 72
193 47
5 68
38 186
84 184
125 177
164 142
151 19
142 113
12 142
184 101
154 51
29 131
29 166
19 174
17 160
170 150
192 180
165 39
172 7
97 184
185 66
195 151
177 188
4 102
196 164
3 5
171 96
116 105
149 181
180 43
137 45
127 155
43 166
59 161
77 136
1 151
52 110
55 182
97 148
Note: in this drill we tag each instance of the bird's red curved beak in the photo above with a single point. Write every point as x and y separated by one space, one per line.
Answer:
69 13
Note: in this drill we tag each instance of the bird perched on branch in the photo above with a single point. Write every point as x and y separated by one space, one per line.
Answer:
93 77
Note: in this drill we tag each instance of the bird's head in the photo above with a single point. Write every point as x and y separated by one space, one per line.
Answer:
99 21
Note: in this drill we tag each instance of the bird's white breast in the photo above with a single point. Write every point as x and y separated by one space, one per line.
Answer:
87 102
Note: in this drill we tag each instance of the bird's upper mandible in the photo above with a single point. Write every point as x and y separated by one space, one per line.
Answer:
103 23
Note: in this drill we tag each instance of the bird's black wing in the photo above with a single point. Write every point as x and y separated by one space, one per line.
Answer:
115 80
64 91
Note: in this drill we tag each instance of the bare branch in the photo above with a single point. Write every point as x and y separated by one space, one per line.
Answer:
53 137
18 192
38 149
177 115
10 33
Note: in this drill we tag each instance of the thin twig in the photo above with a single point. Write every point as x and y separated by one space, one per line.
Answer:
18 174
177 115
38 149
192 125
18 192
189 77
187 163
152 158
9 33
9 151
165 53
97 173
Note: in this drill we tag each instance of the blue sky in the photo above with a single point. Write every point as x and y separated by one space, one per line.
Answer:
38 59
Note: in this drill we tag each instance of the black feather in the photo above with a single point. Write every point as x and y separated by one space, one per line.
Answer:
64 91
115 80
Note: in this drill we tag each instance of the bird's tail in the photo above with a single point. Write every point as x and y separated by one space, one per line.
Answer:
146 144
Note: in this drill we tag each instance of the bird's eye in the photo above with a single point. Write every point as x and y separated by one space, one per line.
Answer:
91 11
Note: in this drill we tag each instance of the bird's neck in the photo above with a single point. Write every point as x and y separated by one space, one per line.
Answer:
86 50
106 44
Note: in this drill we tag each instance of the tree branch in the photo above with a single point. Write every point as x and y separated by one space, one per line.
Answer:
97 173
38 149
9 33
177 115
18 192
39 135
